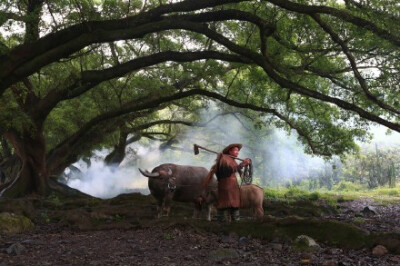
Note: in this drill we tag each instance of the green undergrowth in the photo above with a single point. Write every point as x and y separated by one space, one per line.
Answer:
344 191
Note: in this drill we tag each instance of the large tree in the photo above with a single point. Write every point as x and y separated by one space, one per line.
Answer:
74 72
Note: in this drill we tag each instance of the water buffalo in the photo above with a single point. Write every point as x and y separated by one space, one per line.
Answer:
251 197
183 183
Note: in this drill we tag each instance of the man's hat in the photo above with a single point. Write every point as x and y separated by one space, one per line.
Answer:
230 146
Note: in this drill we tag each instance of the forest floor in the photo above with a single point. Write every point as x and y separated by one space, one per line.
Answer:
122 231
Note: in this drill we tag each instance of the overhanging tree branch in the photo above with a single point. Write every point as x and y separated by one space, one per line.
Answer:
284 83
90 79
269 69
336 38
26 59
96 76
342 14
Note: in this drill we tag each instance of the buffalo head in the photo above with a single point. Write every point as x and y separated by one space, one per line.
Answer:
162 175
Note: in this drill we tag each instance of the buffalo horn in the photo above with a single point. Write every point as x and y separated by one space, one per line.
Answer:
148 174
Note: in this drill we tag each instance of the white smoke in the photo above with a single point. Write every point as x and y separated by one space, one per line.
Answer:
104 181
278 158
286 158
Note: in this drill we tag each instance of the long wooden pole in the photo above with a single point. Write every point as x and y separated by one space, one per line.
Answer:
196 147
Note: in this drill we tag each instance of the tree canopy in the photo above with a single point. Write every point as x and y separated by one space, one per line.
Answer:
75 75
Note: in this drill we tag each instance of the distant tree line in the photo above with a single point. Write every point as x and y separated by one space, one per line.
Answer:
373 167
370 167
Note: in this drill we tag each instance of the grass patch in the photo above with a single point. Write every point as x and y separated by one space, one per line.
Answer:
344 191
291 194
345 186
358 220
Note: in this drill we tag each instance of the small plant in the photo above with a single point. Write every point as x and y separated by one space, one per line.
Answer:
358 220
394 192
341 199
331 201
272 194
168 236
44 217
54 199
295 192
118 217
314 196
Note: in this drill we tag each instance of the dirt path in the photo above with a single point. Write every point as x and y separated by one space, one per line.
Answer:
170 246
181 244
371 215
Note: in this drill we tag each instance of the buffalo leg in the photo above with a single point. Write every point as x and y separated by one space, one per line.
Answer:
167 204
208 212
198 202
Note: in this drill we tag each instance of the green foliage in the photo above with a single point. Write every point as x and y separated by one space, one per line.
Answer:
12 117
272 194
168 236
342 192
391 192
44 216
358 220
295 69
292 193
54 199
11 223
118 217
373 167
345 186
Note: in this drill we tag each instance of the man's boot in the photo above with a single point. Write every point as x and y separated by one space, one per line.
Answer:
221 215
235 215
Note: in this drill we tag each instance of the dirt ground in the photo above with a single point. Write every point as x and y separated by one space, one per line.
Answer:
124 240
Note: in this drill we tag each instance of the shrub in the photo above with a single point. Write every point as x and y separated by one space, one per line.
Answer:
347 186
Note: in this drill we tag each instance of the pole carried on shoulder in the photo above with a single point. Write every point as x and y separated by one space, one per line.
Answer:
197 151
247 173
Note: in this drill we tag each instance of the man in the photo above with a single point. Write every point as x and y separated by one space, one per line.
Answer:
225 169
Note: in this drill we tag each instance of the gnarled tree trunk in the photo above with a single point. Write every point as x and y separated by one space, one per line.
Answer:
30 147
117 155
9 169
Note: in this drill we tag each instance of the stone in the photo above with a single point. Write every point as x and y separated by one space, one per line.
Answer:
243 241
303 242
277 246
16 249
334 251
395 260
330 263
305 261
11 223
369 211
379 251
223 254
230 238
